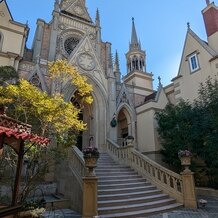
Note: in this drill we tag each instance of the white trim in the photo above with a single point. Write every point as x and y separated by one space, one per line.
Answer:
193 62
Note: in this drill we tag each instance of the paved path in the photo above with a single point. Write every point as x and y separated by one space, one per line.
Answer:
210 211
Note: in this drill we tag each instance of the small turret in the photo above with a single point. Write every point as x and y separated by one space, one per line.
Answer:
135 56
117 68
98 27
97 18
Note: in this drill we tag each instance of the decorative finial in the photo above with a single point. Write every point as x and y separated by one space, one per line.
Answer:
188 25
159 79
207 2
56 5
133 19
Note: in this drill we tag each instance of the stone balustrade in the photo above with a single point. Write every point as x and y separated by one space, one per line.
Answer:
77 164
121 154
166 180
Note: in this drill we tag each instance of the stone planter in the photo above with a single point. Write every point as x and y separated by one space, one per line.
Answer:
186 162
90 163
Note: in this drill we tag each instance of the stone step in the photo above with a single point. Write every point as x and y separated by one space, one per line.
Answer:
105 174
109 170
142 213
109 167
124 185
135 207
123 193
127 195
117 181
125 190
138 200
120 177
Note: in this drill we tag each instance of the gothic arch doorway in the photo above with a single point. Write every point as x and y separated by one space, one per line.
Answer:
124 123
86 115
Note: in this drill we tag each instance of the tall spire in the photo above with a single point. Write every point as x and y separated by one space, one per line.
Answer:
116 63
97 18
134 39
117 68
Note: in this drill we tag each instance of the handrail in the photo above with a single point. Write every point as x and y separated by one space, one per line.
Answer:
166 180
77 164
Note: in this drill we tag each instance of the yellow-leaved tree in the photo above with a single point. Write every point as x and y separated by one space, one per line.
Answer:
50 112
50 116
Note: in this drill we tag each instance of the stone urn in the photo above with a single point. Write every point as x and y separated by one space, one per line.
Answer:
185 158
90 163
90 155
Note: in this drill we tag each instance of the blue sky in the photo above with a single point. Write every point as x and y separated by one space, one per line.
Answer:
161 27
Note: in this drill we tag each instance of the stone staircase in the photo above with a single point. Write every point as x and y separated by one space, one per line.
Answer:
123 193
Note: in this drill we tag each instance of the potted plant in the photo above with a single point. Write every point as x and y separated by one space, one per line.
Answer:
202 203
129 140
32 209
185 158
91 155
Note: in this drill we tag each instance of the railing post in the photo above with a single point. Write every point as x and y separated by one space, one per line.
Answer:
90 197
189 195
90 189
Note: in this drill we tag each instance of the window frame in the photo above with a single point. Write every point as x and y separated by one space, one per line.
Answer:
193 56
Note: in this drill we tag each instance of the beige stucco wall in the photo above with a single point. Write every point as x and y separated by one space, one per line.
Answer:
141 82
212 41
187 85
145 130
147 125
14 37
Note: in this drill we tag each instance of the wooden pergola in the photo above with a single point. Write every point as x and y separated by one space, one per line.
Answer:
14 133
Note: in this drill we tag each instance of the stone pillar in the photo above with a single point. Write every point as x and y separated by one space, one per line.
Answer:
189 195
90 200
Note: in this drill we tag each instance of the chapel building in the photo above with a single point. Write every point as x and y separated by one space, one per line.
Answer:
73 35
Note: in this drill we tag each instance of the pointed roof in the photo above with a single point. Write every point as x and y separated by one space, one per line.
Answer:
134 39
4 7
202 43
97 18
116 63
75 8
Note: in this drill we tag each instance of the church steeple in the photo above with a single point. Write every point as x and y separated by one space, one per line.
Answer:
135 56
134 39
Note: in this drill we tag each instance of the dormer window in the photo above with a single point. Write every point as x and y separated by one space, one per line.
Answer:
193 62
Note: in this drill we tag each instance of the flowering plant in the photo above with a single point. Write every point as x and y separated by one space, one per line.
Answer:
184 153
202 202
90 152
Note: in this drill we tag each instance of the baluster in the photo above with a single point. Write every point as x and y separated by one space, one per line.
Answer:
175 184
156 173
168 179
